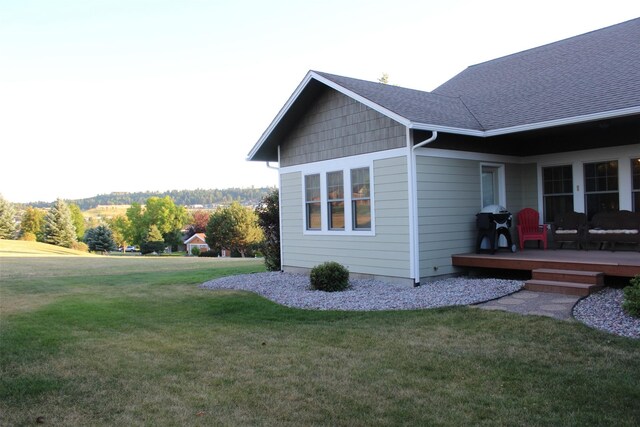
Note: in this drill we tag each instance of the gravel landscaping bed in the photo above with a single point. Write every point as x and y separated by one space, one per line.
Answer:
293 290
603 310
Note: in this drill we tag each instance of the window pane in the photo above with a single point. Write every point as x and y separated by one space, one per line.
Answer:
335 186
556 205
601 187
360 188
313 216
601 202
312 187
336 215
636 201
635 172
362 214
312 201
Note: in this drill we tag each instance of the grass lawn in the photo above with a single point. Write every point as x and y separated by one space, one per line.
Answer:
133 341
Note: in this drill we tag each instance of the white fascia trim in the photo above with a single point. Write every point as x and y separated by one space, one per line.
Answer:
446 129
566 121
532 126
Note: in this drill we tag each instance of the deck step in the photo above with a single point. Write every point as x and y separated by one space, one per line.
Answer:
559 287
573 276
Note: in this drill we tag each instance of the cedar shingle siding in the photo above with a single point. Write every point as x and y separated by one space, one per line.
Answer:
338 126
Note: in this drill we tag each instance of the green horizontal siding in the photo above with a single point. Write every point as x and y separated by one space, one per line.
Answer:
385 254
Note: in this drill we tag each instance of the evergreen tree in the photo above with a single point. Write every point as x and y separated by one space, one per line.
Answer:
153 241
7 221
58 226
100 239
269 220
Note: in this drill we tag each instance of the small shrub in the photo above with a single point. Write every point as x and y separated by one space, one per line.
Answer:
80 246
151 247
28 236
195 251
208 254
632 297
329 277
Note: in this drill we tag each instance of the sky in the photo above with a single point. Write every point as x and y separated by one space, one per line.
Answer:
99 96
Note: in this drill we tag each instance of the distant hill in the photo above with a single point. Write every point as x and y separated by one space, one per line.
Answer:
205 198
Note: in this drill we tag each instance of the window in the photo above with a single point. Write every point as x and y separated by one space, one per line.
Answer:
635 185
557 191
489 186
601 187
335 200
312 201
361 199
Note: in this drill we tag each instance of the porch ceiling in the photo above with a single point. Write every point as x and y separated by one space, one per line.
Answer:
597 134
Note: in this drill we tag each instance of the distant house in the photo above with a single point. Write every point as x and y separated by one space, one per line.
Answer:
388 180
196 241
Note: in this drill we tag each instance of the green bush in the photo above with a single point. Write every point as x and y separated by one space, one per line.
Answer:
632 297
151 247
208 254
329 277
195 251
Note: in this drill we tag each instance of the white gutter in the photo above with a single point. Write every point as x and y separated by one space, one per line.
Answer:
414 241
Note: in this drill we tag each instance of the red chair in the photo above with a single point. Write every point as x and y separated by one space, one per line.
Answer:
529 227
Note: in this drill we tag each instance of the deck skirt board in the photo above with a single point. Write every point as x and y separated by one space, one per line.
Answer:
618 264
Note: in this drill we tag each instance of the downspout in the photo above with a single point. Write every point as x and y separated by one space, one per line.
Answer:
279 209
414 237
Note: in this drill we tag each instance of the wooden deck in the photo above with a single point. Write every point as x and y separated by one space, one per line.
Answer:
619 263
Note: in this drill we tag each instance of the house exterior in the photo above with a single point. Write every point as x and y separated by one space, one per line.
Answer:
387 180
198 240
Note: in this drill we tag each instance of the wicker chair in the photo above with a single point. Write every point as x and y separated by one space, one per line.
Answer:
569 227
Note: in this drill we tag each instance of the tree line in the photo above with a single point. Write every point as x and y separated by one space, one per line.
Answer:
155 226
209 198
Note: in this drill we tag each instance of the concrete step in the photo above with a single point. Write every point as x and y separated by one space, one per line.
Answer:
574 276
557 287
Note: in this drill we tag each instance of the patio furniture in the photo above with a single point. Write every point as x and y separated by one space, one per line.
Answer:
614 227
529 227
569 227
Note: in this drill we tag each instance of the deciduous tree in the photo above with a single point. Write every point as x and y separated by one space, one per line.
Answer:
199 221
78 220
120 229
234 227
33 223
58 226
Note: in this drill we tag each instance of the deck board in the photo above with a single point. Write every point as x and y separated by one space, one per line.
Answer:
619 263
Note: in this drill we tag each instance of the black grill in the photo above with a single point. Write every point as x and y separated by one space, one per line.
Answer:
492 222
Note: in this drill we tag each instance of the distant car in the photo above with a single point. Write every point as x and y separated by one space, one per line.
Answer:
130 249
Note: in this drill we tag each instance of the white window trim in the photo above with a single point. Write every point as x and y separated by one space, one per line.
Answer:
344 165
502 185
577 159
